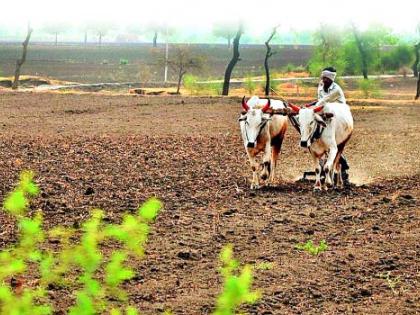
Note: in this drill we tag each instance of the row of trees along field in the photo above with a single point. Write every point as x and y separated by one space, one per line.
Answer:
351 50
59 31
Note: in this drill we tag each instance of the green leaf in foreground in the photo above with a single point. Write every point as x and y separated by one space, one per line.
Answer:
150 209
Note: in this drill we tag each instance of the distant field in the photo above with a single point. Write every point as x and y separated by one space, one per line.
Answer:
102 64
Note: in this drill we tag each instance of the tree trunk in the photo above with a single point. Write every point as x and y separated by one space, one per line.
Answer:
180 76
56 38
21 61
233 61
155 39
418 86
416 62
362 52
268 54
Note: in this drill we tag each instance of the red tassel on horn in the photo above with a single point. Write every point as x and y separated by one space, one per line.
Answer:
245 105
318 109
294 107
266 106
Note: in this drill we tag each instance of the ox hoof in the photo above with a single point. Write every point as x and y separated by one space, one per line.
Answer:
317 188
328 181
339 187
255 186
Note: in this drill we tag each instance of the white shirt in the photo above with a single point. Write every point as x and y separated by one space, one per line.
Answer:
334 94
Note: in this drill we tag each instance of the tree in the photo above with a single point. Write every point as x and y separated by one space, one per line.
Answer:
399 56
102 29
21 61
329 50
417 60
155 29
85 27
233 61
418 85
268 54
182 61
369 44
225 30
55 28
417 53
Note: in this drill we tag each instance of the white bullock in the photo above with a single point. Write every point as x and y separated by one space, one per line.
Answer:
262 132
325 134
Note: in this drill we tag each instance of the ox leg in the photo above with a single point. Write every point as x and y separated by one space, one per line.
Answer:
329 166
339 177
337 166
317 166
276 143
255 178
267 165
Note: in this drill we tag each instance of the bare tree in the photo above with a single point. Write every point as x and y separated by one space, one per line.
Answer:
85 27
182 60
155 29
418 85
362 51
268 54
233 61
417 53
417 60
102 29
56 28
21 61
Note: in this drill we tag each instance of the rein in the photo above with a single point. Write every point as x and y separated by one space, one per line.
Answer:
317 133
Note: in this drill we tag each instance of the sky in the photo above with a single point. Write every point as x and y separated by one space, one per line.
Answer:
196 15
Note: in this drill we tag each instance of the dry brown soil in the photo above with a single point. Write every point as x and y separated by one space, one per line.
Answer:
114 152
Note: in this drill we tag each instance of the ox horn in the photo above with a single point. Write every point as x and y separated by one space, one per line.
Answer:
266 106
294 108
245 105
318 109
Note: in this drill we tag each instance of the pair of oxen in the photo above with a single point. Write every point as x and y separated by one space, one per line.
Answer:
324 130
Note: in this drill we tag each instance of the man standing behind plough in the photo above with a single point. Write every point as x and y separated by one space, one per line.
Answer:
330 92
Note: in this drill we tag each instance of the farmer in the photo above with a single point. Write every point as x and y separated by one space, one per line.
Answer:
331 92
328 90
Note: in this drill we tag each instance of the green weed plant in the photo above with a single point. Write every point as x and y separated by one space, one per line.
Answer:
312 249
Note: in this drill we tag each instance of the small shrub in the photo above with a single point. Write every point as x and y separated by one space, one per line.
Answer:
392 282
28 269
312 249
299 68
190 83
369 88
82 266
315 68
250 85
265 265
289 67
215 88
123 62
236 284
